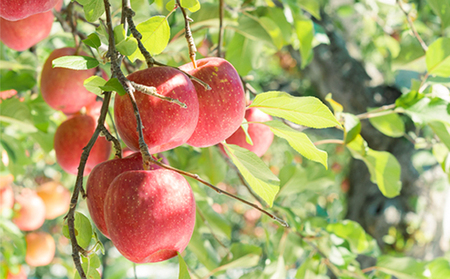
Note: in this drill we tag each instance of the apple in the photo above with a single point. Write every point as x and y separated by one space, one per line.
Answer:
20 9
31 214
260 134
6 192
150 215
21 274
56 199
62 88
99 181
221 109
166 125
40 248
70 139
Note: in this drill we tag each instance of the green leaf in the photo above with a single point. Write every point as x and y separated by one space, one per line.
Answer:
20 81
383 166
217 222
183 273
312 268
427 110
75 62
93 10
256 173
305 32
307 111
243 256
337 107
442 130
93 40
155 36
360 242
442 9
299 141
438 57
83 230
244 127
199 246
390 124
251 28
114 84
128 46
311 6
192 5
439 268
243 53
274 31
402 268
119 34
212 165
352 127
93 85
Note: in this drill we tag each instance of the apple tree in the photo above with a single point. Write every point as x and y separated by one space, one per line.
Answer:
225 139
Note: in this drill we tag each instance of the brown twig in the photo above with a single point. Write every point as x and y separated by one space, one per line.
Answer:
188 35
111 138
219 44
335 141
411 25
380 109
150 90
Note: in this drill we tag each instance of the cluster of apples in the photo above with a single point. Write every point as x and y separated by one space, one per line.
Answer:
30 210
25 23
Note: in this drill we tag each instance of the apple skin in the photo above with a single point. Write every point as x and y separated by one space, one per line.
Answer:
25 33
62 88
19 9
31 215
40 248
70 139
221 109
100 180
150 215
56 198
166 125
260 134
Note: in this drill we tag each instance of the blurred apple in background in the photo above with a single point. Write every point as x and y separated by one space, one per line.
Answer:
40 248
56 199
31 214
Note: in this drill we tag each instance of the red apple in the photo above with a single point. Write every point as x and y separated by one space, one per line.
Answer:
221 110
31 214
260 134
20 9
70 139
99 181
40 248
6 192
62 88
166 124
56 199
21 274
150 215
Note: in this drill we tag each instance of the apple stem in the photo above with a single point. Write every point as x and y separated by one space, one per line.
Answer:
188 35
219 43
201 82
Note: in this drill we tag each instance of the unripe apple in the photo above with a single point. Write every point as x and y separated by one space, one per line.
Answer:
70 139
25 33
221 109
40 249
100 180
6 192
62 88
31 214
166 125
150 215
56 199
260 134
20 9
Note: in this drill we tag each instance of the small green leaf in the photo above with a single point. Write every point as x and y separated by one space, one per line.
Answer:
217 222
305 32
170 5
311 268
402 268
244 127
93 40
200 247
307 111
114 85
299 141
390 124
93 85
442 130
83 230
251 28
192 5
93 10
427 110
438 57
383 166
352 127
256 173
337 107
212 165
128 46
311 6
360 242
442 9
183 273
75 62
155 36
439 268
243 256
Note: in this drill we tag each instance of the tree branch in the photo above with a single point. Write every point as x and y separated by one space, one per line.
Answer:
411 25
219 44
188 35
